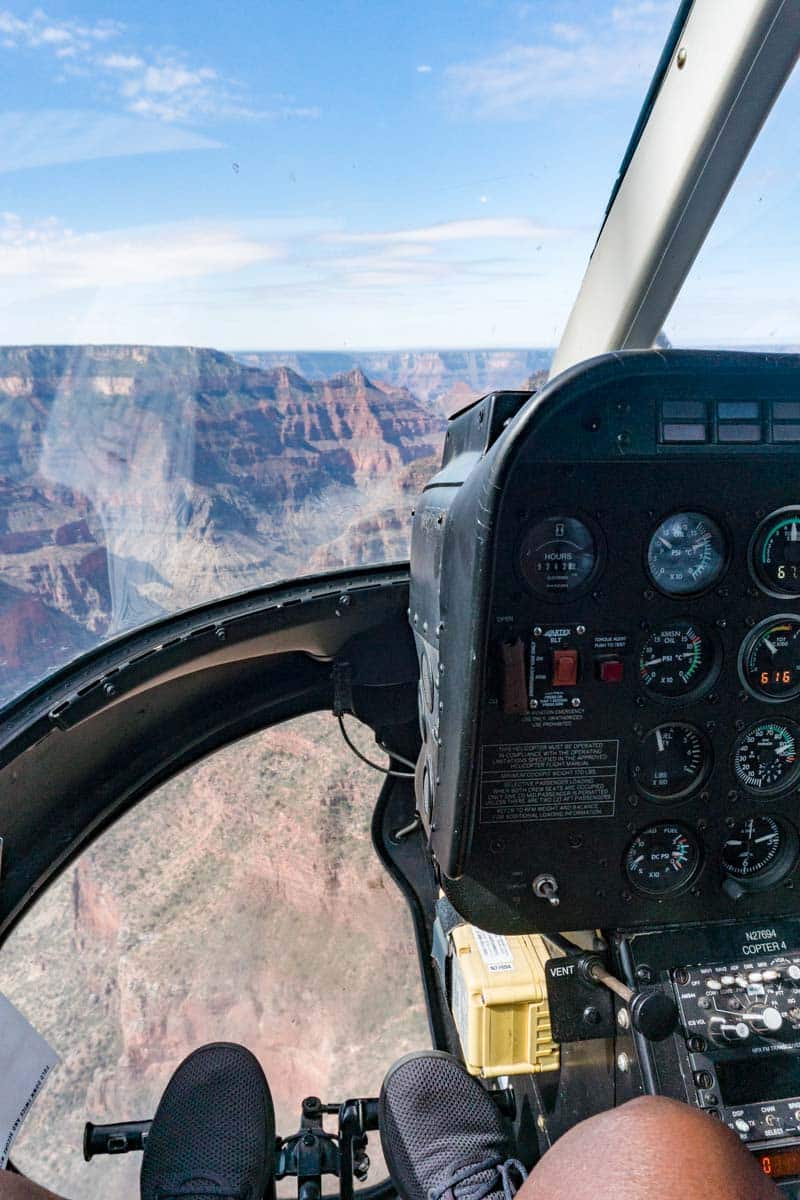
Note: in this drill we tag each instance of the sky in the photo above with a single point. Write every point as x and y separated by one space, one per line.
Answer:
309 174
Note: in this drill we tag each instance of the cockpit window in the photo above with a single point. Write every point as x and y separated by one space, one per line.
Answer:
741 293
270 922
245 273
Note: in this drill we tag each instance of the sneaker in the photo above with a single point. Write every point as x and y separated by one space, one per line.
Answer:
443 1136
213 1134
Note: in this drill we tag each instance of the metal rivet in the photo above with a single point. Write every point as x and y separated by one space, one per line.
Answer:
681 59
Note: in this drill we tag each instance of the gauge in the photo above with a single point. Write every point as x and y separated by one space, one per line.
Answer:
671 761
775 553
558 556
760 850
677 660
686 554
769 661
662 859
765 757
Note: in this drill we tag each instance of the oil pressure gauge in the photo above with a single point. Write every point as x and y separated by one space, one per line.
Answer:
678 660
687 554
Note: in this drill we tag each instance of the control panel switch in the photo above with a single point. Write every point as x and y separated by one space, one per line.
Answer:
763 1019
514 685
727 1032
565 668
610 670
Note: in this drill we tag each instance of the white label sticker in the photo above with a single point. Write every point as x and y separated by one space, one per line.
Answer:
460 1007
26 1061
494 950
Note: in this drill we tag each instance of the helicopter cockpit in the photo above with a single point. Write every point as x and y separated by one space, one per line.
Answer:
584 688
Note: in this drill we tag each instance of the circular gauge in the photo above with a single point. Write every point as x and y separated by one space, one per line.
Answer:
769 660
670 762
775 553
759 851
765 757
558 556
662 859
677 660
686 554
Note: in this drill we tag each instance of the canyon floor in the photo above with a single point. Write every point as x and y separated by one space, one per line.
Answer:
242 901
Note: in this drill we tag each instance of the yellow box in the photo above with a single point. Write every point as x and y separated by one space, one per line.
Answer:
499 1003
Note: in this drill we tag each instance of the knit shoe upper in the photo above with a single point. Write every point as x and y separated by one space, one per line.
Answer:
213 1134
443 1136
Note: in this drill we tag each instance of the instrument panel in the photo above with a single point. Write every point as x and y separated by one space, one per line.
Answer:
613 731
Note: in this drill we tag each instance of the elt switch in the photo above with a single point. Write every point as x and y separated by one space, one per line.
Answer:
514 690
565 668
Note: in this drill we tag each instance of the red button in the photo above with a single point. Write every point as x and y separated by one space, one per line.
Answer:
565 668
611 670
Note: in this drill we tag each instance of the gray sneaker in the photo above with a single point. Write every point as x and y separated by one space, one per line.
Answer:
443 1136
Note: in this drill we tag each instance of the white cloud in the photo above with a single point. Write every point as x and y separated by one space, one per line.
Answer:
40 30
424 69
79 135
122 62
599 59
476 229
160 86
48 255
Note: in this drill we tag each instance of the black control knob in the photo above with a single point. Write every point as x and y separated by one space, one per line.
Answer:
726 1032
764 1019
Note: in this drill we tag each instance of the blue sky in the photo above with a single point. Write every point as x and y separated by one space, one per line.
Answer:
309 174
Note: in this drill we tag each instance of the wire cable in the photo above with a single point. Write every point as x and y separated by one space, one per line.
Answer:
375 766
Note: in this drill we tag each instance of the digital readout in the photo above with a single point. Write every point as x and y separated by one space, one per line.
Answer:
780 1164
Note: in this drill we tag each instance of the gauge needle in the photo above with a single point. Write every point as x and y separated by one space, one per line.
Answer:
767 837
794 536
782 751
660 741
653 662
773 649
664 542
636 861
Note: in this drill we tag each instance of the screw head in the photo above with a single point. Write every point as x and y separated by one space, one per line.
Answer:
591 1015
623 1063
623 1019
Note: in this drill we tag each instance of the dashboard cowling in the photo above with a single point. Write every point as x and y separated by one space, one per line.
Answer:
534 703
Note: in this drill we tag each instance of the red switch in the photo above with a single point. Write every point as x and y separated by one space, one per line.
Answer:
565 668
610 670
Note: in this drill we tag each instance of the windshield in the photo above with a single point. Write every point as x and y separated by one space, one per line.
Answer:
742 291
353 209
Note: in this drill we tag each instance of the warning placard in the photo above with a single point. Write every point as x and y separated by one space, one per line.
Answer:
549 781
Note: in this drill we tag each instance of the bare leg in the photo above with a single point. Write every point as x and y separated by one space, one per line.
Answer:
18 1187
649 1149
